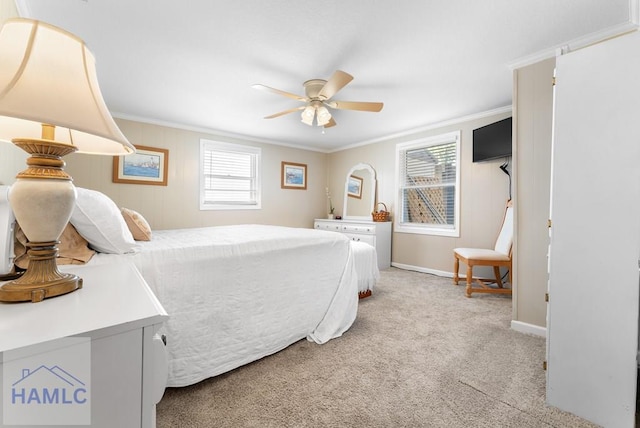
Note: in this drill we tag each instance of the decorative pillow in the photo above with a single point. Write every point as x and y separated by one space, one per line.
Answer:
138 225
72 250
98 219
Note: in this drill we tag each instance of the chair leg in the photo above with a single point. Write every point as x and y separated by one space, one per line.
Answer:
469 280
496 272
456 267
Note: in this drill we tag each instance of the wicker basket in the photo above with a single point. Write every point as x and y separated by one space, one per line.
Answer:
382 215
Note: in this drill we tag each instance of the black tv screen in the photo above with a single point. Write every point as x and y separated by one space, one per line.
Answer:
492 141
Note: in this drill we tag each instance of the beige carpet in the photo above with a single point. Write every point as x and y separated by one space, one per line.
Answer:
420 354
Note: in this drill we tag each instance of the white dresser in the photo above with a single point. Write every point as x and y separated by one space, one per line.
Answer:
118 316
378 234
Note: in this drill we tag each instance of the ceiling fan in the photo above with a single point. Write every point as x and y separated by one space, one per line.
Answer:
318 97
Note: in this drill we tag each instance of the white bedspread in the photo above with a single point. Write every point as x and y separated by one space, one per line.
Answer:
235 294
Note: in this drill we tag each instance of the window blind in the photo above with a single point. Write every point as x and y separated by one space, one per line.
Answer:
229 176
428 178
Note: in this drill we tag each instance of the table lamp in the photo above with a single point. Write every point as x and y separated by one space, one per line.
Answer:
50 106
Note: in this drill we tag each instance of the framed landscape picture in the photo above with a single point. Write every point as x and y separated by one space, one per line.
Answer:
293 176
148 165
354 189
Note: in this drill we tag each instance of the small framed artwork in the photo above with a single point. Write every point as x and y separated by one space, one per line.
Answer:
148 165
293 176
354 189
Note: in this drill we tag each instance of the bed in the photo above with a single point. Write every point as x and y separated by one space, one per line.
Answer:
234 294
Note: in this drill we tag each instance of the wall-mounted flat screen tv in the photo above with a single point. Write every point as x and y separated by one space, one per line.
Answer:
492 141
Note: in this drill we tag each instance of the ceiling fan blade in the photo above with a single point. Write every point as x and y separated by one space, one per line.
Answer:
331 123
337 81
282 113
279 92
355 105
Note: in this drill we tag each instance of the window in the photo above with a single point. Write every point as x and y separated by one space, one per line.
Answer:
229 176
428 185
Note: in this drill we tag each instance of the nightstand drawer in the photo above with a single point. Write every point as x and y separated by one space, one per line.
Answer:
349 228
322 225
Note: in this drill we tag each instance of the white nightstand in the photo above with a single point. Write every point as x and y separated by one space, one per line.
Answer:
119 313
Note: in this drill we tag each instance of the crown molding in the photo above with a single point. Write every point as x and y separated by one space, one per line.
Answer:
583 41
429 127
212 133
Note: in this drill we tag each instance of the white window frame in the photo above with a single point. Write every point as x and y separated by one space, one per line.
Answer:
420 228
256 152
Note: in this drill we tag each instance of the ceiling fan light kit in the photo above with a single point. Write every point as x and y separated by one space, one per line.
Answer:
324 117
308 114
318 94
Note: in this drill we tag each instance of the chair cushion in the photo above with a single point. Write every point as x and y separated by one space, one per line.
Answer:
480 254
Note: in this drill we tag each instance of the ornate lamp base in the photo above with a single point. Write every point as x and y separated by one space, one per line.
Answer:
42 279
42 199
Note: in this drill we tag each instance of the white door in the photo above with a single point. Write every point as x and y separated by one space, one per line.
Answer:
595 240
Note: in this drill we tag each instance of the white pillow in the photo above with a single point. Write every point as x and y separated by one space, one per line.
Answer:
97 218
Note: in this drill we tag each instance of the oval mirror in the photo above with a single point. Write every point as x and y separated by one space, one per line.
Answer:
359 192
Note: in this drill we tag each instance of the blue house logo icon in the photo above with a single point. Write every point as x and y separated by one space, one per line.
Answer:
48 386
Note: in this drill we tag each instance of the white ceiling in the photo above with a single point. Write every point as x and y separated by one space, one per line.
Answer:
192 63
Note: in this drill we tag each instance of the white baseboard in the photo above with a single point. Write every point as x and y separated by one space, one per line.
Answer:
425 270
482 271
527 328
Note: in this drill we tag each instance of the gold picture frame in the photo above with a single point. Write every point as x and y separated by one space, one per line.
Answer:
293 175
149 165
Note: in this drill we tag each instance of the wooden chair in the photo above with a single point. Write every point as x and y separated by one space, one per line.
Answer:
498 257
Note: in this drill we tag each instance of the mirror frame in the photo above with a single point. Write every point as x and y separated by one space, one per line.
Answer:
374 187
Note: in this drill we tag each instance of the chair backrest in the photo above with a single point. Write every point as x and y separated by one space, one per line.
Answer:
505 238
